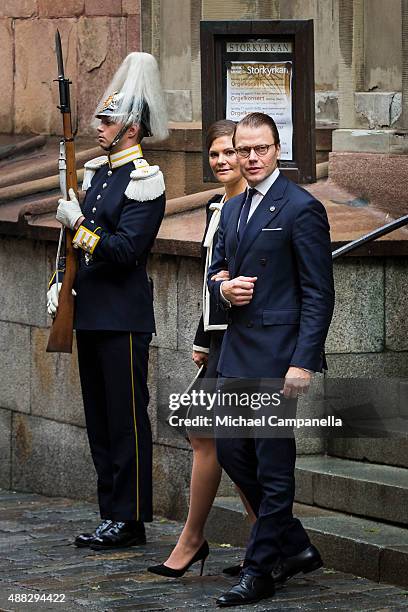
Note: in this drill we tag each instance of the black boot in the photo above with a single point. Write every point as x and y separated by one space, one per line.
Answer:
306 561
120 534
86 539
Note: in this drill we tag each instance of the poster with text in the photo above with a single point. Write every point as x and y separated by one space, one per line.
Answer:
264 87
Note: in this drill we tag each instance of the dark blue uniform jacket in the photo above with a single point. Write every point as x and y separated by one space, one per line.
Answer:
113 290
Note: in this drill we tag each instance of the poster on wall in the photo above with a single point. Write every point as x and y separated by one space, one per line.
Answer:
262 87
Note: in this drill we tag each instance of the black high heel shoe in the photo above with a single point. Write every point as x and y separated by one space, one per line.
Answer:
201 555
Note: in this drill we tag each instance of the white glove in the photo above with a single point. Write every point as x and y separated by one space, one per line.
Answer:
69 211
52 298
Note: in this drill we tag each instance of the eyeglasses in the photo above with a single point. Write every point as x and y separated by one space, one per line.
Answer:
259 150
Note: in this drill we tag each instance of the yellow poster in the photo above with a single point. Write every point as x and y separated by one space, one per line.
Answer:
264 87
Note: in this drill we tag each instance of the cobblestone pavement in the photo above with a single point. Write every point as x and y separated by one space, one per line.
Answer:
37 558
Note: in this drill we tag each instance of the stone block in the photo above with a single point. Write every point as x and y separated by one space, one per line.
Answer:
361 141
18 8
171 481
390 451
60 8
153 385
358 321
175 372
55 387
394 565
376 177
23 278
396 304
228 523
51 458
163 269
374 365
133 38
102 47
357 488
103 8
179 104
6 76
131 7
304 486
189 288
15 367
327 106
5 449
377 109
311 441
36 96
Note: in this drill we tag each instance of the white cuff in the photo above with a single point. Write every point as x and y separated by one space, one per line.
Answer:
201 349
223 298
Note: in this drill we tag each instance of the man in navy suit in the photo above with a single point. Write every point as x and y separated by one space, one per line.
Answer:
274 240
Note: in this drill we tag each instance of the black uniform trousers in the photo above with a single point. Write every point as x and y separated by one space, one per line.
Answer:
113 369
263 468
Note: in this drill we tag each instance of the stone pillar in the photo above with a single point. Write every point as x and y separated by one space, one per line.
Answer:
351 58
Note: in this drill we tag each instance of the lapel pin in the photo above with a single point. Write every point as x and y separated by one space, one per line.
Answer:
272 208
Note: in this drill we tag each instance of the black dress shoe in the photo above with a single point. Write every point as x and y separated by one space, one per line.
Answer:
163 570
250 589
86 539
119 535
306 561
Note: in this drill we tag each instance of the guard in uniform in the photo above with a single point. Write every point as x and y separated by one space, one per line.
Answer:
114 231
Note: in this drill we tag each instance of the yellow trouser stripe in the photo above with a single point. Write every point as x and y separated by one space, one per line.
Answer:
135 426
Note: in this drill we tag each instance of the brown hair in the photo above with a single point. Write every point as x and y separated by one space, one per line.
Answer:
224 127
255 120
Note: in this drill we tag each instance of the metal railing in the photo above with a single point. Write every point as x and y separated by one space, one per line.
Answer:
371 236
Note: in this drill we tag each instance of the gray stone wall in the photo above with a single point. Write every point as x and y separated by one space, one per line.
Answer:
43 445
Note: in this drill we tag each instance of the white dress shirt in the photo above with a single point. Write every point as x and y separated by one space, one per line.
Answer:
261 190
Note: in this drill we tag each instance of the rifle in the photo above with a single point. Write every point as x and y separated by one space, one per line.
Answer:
61 334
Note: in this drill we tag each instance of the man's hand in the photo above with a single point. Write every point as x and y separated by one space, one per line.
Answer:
297 382
200 358
69 212
221 275
52 298
239 291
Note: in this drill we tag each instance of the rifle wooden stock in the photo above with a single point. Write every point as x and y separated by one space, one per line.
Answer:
61 334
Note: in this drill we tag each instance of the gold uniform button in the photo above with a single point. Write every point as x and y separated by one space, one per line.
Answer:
94 209
109 172
104 186
98 197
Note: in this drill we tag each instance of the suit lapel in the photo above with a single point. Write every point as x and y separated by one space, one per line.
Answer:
233 222
270 206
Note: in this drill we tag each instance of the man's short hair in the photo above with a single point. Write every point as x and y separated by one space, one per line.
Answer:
255 120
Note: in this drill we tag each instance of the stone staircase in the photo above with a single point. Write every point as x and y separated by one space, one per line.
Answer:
353 503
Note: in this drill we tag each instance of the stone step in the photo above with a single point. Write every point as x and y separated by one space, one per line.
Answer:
351 544
366 489
392 450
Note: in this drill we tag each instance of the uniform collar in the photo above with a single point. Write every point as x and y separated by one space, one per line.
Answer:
264 186
125 156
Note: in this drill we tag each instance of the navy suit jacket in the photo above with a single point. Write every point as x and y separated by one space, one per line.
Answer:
286 244
113 291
